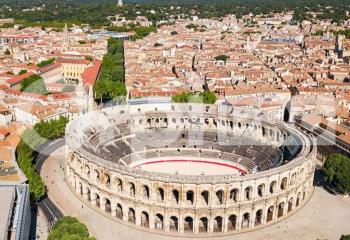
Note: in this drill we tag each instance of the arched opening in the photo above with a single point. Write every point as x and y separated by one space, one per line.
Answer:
205 197
298 200
119 211
190 196
284 183
160 195
248 193
203 224
88 194
119 184
217 224
97 200
293 179
258 217
232 223
245 220
175 197
174 224
188 225
261 190
269 214
97 175
220 197
131 216
131 189
290 204
87 170
234 194
159 222
145 191
107 180
280 209
144 220
273 187
107 205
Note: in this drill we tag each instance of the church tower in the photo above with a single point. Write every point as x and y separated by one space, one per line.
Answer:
120 3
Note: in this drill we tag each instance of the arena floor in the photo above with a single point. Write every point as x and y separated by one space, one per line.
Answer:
189 167
325 216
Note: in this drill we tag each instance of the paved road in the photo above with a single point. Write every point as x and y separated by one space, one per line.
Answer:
50 210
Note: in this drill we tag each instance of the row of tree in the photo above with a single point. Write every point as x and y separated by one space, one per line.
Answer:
206 97
33 84
111 80
26 152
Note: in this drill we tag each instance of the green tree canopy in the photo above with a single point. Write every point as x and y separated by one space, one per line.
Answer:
33 84
222 58
46 62
345 237
206 97
69 228
336 172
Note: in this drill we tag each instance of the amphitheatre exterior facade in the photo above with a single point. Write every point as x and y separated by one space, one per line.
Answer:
189 168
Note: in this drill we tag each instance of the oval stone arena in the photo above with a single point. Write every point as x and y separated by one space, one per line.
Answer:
189 169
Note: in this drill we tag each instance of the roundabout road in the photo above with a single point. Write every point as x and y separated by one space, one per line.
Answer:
324 217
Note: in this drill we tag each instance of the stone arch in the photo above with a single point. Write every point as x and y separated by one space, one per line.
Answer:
108 207
293 179
144 219
273 187
258 217
218 224
284 183
97 199
131 216
119 184
96 175
160 194
203 224
190 196
245 220
119 211
298 199
87 170
232 222
269 216
88 193
159 222
145 192
219 197
234 195
188 224
175 196
280 209
131 189
261 190
81 189
248 193
107 180
290 204
174 224
205 197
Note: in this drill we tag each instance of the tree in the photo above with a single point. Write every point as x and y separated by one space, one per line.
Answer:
33 84
23 71
221 58
345 237
206 97
46 62
69 228
336 172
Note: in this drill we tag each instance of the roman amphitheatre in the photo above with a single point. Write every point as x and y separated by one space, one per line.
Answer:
189 169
